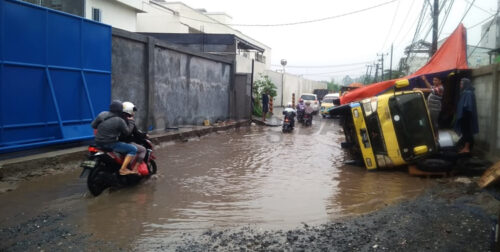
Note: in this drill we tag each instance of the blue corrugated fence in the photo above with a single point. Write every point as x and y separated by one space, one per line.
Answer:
55 75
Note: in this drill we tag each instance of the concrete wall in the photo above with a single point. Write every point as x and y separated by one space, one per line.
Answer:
291 84
170 86
486 83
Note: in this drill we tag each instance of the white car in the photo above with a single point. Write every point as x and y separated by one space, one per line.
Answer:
313 99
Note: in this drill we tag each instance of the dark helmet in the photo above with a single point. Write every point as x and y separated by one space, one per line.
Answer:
116 107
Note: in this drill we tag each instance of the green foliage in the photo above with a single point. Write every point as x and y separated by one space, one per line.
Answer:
262 86
332 86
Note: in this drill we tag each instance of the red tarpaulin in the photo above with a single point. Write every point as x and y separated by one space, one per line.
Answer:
452 55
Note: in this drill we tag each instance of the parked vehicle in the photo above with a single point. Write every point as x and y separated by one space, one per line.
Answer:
328 103
313 99
320 93
103 165
388 130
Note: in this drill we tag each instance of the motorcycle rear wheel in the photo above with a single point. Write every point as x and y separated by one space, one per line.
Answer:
96 181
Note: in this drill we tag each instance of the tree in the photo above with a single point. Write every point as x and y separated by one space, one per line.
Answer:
332 86
262 86
347 80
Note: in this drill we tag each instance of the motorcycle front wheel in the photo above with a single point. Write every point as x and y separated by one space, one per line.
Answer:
152 167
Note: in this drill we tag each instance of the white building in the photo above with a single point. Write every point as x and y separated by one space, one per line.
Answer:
160 16
117 13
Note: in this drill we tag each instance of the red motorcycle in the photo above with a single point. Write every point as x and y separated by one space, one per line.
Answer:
103 165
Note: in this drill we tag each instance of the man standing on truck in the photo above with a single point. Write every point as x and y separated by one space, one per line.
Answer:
434 99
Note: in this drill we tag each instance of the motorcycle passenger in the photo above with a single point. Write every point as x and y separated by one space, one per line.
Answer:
110 125
309 109
136 137
290 113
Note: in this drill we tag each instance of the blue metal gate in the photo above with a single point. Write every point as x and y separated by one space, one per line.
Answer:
55 75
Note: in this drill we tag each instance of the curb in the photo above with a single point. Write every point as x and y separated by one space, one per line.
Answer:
39 164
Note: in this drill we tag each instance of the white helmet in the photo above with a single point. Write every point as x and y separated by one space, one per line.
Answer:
289 104
129 108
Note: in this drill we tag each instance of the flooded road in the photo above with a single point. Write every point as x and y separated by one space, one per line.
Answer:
254 176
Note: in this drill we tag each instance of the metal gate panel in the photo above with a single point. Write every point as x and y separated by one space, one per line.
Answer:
55 75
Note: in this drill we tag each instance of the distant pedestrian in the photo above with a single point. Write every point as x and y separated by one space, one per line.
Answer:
434 99
466 122
265 105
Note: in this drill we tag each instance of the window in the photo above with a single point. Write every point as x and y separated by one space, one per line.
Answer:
75 7
96 14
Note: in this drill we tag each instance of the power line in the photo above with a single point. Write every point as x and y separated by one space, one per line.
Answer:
300 22
341 71
448 11
327 66
484 35
404 21
484 20
480 8
465 14
392 23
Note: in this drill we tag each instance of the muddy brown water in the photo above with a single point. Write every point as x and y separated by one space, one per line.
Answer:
254 176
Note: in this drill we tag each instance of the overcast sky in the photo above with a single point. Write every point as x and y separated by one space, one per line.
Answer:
350 39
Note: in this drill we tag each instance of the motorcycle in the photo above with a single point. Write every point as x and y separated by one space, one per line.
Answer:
103 165
287 125
300 115
307 119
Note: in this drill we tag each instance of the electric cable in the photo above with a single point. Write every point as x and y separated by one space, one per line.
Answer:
484 20
300 22
480 8
326 66
467 12
484 35
404 21
392 24
448 11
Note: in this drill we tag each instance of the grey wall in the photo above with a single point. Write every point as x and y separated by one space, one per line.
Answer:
170 86
486 83
242 97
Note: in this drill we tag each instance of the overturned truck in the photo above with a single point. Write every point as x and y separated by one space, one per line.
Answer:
387 124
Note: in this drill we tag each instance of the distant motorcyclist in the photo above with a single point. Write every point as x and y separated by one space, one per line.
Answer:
290 113
308 108
110 125
300 105
300 110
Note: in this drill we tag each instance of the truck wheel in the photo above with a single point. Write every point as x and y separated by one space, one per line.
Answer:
435 165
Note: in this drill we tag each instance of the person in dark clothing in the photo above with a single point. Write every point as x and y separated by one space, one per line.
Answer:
466 122
265 105
110 125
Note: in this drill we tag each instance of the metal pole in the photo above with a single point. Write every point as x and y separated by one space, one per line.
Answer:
390 68
282 85
435 19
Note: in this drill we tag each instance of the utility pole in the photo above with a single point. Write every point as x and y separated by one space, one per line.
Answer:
390 67
435 19
366 75
382 66
376 72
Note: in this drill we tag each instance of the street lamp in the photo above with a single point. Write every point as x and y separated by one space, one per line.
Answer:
283 63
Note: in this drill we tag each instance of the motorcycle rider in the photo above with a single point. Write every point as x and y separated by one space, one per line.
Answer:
110 125
136 137
290 113
309 110
300 110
